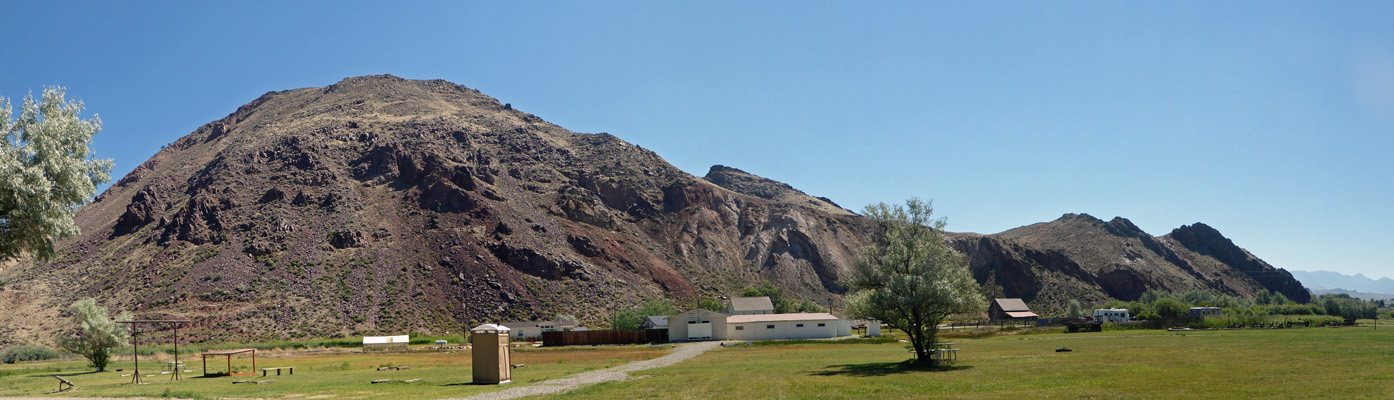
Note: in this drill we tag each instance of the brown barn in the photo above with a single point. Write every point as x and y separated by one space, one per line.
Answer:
1010 310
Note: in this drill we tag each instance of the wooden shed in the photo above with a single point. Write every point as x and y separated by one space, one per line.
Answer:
1003 310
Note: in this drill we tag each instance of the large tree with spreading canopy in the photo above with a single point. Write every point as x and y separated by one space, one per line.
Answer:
910 278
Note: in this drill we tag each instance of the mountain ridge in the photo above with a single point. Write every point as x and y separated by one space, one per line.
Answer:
379 204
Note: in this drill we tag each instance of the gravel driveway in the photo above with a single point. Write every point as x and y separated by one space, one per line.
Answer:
683 352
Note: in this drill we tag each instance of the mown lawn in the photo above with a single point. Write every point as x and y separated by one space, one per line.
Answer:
336 375
1348 363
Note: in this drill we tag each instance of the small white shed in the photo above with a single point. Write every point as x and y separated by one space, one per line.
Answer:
386 343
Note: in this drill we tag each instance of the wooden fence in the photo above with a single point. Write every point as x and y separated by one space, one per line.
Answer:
591 338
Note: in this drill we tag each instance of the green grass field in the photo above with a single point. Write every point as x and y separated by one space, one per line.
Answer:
331 375
1348 363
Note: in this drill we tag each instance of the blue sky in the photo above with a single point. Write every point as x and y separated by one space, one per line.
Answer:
1274 124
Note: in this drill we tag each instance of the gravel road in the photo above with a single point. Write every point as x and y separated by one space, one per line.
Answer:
683 352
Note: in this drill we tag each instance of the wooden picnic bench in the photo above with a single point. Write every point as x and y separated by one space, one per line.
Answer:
289 370
62 382
944 352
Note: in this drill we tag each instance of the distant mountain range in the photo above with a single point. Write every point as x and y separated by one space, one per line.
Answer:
1328 280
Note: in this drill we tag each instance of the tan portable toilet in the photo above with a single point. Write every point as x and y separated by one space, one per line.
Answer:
873 328
491 356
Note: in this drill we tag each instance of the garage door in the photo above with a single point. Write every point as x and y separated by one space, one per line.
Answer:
699 330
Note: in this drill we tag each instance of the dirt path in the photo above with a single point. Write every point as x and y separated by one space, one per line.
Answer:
683 352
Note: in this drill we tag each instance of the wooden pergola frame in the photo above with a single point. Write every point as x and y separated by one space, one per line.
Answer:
229 354
135 342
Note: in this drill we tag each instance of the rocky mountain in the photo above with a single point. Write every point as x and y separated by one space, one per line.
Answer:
379 205
1081 257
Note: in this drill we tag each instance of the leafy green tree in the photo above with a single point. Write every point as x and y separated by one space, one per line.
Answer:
1170 308
910 278
1350 308
1074 310
781 304
96 334
991 289
711 304
1264 297
776 295
46 172
567 317
632 318
808 306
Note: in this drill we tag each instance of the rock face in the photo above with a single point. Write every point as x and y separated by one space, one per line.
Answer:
380 204
384 205
1085 258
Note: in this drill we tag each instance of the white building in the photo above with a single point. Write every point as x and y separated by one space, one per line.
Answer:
749 306
697 324
755 320
534 329
1112 315
782 326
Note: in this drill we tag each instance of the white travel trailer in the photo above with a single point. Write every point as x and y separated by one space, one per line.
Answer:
1111 315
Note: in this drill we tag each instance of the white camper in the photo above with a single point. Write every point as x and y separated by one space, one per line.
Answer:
1111 315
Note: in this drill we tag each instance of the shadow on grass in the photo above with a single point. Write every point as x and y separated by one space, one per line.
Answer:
881 369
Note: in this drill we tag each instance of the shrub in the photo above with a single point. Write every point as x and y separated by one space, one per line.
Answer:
1170 308
27 353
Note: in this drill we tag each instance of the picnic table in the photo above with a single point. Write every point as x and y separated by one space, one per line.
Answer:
944 352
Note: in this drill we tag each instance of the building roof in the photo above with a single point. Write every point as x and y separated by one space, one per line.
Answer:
746 319
1011 305
658 320
697 310
1022 314
741 304
488 327
534 324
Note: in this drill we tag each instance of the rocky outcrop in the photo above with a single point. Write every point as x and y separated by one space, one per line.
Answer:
1208 242
145 207
748 184
1084 258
